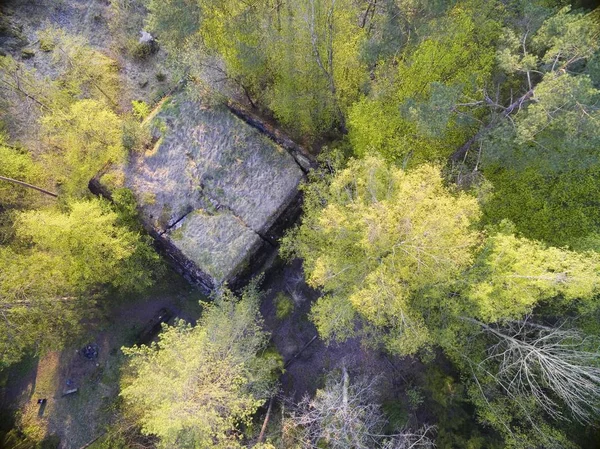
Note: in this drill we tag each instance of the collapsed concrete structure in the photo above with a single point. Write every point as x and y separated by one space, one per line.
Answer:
214 191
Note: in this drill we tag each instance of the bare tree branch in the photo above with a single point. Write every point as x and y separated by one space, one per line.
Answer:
548 363
345 415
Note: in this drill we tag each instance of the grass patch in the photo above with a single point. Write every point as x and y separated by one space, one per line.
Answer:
284 306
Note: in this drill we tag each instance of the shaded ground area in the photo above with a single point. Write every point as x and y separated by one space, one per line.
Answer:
80 417
285 308
292 332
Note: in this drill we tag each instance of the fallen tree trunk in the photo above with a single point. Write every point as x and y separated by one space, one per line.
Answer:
272 400
29 186
263 429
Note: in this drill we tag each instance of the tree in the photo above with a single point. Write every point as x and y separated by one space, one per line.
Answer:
36 306
18 81
212 376
537 47
536 202
525 377
16 164
547 156
539 145
415 109
55 269
375 240
513 275
316 61
25 95
550 364
88 245
299 59
85 138
399 253
345 415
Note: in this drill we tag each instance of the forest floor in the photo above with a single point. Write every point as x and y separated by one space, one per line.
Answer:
79 418
286 304
292 332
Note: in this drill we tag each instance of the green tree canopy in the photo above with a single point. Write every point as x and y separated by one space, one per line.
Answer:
85 138
17 164
299 59
546 158
414 110
541 152
55 268
212 377
512 275
383 237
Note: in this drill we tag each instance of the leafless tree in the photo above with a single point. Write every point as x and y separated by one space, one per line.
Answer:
421 438
346 415
547 363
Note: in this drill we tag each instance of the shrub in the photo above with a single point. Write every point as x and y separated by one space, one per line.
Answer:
284 306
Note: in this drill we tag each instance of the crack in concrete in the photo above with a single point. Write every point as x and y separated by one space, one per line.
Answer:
171 226
218 206
196 179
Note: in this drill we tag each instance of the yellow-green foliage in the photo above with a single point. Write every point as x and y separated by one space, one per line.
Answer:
384 235
141 109
86 137
544 164
536 203
301 94
301 59
513 274
210 380
57 264
18 165
87 245
284 306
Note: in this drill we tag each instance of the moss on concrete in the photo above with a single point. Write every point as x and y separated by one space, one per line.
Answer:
217 184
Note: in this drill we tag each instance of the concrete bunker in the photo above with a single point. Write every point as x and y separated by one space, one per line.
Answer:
213 191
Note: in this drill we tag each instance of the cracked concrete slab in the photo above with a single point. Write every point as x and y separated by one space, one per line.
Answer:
212 185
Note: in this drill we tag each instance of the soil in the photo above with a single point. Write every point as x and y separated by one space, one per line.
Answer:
78 418
306 373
